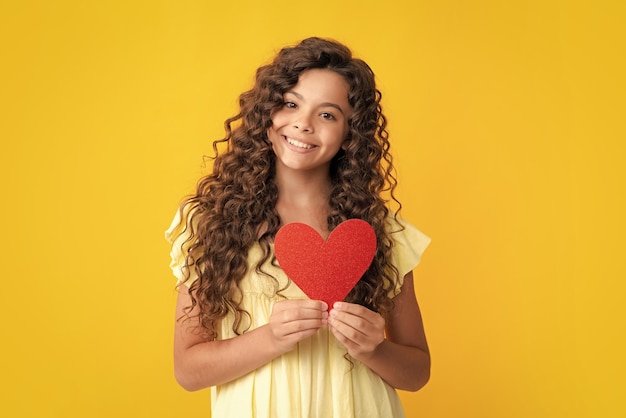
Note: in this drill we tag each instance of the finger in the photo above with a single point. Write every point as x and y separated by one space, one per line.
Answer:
303 325
345 329
340 337
300 335
316 305
297 315
347 320
352 347
356 315
353 309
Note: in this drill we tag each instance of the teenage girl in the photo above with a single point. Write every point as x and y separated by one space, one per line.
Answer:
308 145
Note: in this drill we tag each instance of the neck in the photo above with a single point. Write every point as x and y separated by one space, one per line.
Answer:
303 197
303 186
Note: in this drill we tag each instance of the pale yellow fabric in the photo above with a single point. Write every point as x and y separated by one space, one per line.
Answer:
313 380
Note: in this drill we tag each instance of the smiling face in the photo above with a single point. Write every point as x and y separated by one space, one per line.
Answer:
311 126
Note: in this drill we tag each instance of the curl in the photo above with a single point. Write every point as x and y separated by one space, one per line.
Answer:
234 206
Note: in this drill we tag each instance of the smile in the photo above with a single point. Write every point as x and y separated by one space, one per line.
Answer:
298 144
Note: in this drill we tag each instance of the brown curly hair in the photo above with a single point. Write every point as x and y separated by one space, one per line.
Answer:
235 205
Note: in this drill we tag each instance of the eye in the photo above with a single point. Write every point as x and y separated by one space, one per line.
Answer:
290 105
328 116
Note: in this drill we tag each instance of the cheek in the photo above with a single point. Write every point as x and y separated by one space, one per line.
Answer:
278 119
273 136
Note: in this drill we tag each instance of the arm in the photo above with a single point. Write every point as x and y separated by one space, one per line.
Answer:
402 358
199 363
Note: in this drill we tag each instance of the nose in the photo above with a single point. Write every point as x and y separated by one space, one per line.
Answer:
302 122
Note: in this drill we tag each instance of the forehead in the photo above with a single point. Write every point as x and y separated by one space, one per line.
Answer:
322 85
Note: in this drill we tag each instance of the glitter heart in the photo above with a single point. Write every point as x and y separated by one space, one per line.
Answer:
326 270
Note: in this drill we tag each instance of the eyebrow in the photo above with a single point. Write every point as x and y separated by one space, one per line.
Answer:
325 104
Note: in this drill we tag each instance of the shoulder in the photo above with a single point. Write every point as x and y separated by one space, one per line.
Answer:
409 243
182 224
180 235
405 235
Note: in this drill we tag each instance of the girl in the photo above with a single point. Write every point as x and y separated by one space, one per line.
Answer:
309 145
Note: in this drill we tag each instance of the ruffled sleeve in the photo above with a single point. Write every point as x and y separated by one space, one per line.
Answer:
409 245
178 235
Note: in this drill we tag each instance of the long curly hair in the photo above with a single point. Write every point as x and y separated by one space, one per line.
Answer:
235 206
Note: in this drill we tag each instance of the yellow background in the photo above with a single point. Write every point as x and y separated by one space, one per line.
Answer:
507 122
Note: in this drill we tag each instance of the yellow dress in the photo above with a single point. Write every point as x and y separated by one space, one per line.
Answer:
314 379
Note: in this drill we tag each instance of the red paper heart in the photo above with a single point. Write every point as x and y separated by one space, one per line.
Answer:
326 270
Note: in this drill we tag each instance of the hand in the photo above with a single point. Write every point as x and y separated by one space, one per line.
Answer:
292 321
359 329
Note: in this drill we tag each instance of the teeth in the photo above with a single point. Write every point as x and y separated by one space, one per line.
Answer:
299 144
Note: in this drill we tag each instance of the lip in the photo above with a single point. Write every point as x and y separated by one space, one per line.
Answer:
296 148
